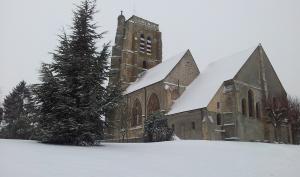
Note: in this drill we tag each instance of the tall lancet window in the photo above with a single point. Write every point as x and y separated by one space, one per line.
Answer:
149 45
142 43
136 113
250 103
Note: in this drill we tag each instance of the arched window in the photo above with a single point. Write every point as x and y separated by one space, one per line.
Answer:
257 110
250 103
144 64
219 119
142 43
244 107
153 104
136 113
149 45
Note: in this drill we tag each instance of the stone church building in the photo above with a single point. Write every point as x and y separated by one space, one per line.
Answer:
225 101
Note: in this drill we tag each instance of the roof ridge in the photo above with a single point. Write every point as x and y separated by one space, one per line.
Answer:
226 57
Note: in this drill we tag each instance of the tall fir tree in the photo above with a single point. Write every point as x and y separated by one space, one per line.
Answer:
18 113
72 97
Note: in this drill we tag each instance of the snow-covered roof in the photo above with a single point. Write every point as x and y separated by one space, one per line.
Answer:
155 74
199 93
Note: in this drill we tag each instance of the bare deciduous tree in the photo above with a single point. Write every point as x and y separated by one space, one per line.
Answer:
277 109
294 118
284 110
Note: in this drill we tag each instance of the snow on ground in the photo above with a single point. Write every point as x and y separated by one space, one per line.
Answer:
185 158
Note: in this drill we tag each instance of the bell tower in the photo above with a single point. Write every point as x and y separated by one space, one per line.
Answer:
138 47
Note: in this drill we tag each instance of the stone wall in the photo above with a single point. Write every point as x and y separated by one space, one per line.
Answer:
179 78
187 125
135 60
166 90
128 60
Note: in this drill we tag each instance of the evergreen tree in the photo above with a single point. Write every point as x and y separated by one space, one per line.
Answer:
18 113
47 97
72 98
1 114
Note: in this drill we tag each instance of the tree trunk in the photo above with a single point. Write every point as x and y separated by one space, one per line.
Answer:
277 133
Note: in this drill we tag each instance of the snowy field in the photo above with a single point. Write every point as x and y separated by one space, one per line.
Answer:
168 159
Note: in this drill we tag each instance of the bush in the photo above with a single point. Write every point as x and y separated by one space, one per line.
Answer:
156 128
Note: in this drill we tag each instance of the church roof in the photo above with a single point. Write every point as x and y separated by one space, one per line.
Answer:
199 93
155 74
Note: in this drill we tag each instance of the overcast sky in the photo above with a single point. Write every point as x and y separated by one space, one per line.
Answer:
210 28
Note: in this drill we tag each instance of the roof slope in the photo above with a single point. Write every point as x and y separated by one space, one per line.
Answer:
199 93
155 74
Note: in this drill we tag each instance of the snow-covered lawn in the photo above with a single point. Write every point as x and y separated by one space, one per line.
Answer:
167 159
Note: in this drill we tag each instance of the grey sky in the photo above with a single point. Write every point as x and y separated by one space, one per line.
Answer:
210 28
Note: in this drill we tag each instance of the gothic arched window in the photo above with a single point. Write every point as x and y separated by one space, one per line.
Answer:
142 43
250 103
153 104
219 119
136 113
149 45
257 110
244 107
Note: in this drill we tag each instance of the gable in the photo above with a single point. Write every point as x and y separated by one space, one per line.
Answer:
250 72
274 85
204 87
184 72
155 74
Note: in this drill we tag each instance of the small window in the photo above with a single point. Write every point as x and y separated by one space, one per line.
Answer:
218 105
193 125
144 64
219 120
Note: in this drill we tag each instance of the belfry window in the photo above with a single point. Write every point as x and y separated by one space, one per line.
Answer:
149 45
142 43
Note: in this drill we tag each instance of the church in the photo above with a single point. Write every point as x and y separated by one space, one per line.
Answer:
225 101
